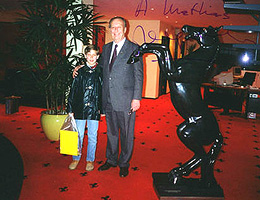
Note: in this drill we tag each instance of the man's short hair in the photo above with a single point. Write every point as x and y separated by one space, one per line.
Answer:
117 17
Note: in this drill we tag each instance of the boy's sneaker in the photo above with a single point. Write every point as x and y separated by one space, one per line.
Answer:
74 164
90 166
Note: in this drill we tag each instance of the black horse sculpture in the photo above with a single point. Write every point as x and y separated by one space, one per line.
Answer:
185 75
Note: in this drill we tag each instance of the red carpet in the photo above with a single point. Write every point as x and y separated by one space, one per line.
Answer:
157 149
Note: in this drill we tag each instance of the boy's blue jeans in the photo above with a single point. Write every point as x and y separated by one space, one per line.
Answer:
92 137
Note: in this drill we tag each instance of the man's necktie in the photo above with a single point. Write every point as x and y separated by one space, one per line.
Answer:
113 58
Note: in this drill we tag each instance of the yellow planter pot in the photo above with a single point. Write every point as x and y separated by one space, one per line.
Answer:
51 125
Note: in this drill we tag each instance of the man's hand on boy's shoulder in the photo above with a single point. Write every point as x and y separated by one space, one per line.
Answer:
75 71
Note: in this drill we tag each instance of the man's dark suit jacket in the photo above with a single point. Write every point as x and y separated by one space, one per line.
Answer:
125 81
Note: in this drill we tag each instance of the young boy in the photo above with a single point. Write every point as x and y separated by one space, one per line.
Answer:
85 103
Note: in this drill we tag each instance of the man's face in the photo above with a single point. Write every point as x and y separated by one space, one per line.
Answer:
117 30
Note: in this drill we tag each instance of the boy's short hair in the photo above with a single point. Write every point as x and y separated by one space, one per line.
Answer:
90 47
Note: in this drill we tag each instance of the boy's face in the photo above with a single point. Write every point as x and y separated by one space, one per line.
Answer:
92 57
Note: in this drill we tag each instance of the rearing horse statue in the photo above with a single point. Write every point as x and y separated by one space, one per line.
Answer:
200 127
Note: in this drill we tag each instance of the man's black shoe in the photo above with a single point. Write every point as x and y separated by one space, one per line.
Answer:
123 171
106 166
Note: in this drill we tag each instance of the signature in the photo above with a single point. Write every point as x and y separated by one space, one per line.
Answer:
151 37
141 7
151 34
197 8
229 34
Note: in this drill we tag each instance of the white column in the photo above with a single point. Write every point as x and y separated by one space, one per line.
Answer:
87 2
79 43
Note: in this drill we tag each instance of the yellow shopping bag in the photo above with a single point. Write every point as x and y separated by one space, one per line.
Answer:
69 142
69 137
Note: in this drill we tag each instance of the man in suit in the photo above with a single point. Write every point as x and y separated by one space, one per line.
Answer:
121 95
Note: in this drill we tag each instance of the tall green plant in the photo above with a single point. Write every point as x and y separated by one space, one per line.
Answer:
43 46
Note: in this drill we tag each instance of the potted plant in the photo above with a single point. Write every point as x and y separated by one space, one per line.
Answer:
46 52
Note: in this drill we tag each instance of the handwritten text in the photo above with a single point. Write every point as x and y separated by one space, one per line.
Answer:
196 9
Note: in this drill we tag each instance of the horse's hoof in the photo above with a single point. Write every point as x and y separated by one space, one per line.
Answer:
174 176
173 179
